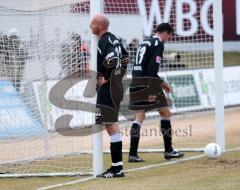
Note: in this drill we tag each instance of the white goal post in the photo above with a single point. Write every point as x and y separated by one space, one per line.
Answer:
218 62
96 7
46 42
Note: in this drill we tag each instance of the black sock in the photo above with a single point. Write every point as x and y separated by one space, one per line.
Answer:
135 136
167 134
116 154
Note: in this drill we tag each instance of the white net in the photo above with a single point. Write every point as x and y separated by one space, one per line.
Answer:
188 66
40 44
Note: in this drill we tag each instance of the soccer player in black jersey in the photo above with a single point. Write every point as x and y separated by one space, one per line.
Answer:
112 61
146 91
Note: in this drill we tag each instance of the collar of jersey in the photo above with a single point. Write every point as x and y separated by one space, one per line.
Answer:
156 36
106 33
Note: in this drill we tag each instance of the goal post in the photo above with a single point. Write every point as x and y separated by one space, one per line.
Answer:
218 62
96 7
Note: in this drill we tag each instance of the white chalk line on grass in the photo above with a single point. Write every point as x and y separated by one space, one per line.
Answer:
132 170
164 164
233 149
174 162
127 171
67 183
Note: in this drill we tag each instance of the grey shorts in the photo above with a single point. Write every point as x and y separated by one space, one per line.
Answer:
141 104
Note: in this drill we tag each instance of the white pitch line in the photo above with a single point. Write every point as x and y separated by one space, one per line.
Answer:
127 171
233 149
165 163
67 183
132 170
174 162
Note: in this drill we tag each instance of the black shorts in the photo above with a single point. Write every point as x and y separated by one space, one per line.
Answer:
140 103
107 109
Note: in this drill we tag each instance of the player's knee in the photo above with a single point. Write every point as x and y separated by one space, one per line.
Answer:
165 114
112 129
139 117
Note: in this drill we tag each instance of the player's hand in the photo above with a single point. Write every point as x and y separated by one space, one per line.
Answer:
125 60
152 98
166 87
110 62
101 81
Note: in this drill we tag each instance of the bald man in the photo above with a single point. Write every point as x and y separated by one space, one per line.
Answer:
112 61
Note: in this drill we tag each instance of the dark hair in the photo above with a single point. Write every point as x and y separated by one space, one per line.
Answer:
164 27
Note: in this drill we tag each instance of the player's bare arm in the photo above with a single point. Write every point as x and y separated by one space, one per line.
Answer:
166 87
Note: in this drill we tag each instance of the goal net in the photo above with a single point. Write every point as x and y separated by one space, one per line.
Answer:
45 46
188 66
43 42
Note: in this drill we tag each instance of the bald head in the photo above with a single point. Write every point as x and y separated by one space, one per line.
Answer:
102 20
99 24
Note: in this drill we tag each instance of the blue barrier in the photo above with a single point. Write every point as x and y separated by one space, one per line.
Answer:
16 120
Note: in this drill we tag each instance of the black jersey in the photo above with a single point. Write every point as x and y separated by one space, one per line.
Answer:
110 54
148 58
147 61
